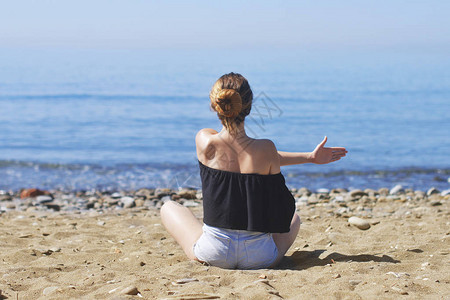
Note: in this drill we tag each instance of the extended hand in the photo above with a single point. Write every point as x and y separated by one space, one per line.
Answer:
322 155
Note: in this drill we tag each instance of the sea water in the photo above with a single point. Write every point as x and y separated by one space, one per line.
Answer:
126 119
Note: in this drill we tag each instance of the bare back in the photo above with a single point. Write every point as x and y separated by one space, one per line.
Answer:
238 153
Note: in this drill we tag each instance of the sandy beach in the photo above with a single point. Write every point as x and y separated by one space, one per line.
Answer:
106 251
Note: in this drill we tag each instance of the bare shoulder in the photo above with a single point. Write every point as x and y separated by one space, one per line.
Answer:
265 146
205 149
205 134
266 151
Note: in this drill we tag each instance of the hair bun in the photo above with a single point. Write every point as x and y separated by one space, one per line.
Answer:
228 103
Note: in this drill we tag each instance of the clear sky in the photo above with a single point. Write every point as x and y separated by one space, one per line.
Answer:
225 24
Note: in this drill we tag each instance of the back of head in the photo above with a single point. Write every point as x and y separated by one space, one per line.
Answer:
231 97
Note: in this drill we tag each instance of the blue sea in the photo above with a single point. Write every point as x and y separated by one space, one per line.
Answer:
85 119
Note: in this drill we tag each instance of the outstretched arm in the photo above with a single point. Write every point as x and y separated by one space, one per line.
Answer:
320 155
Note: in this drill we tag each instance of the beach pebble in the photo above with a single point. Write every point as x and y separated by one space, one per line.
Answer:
396 189
445 193
342 211
44 199
188 194
139 202
354 282
371 192
184 280
432 191
304 191
339 199
145 193
165 199
127 202
162 192
116 195
360 223
55 207
190 203
399 290
323 191
383 191
48 290
5 198
130 290
313 199
10 205
357 193
27 193
302 199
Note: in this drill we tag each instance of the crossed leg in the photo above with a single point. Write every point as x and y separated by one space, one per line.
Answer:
182 225
285 240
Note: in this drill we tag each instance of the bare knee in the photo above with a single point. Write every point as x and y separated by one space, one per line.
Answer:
166 209
167 206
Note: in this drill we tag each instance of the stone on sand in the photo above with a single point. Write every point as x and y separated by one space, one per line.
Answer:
359 223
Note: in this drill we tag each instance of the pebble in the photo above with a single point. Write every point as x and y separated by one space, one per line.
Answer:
44 199
48 290
398 275
360 223
383 191
396 189
313 199
127 202
357 193
190 203
130 290
336 202
116 195
188 194
55 249
162 192
304 191
27 193
165 199
445 193
184 280
399 290
145 193
339 199
432 191
354 282
302 199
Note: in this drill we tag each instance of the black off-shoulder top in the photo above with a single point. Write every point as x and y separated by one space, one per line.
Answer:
252 202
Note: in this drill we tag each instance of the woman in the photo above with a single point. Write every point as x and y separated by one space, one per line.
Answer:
249 214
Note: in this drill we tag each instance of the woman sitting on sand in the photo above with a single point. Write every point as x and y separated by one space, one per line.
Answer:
249 213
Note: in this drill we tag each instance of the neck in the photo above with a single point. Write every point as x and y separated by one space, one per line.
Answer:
239 133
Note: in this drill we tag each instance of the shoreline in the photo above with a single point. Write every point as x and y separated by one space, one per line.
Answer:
83 201
126 177
113 252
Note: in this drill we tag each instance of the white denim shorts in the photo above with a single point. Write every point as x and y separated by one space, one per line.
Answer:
235 249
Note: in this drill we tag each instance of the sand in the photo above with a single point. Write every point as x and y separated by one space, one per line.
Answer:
105 255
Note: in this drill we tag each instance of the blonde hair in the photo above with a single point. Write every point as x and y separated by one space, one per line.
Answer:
231 97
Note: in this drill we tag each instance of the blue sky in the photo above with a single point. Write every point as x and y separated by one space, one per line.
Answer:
225 24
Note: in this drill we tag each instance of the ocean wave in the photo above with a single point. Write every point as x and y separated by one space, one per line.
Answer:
80 176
